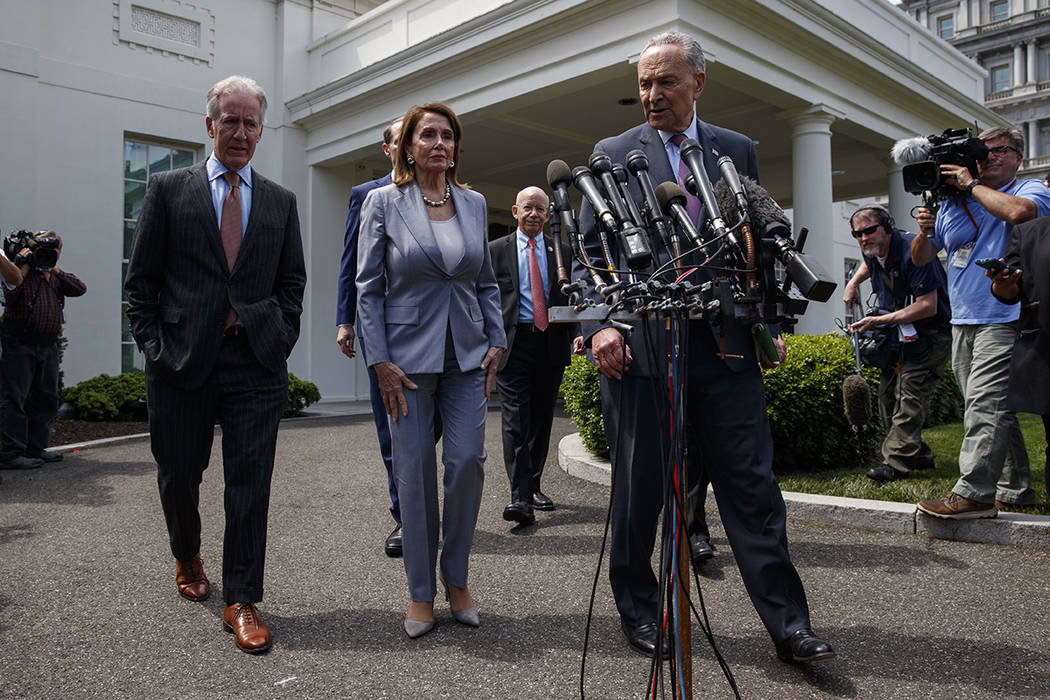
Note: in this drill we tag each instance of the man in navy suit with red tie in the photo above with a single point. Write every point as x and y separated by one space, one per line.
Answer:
215 288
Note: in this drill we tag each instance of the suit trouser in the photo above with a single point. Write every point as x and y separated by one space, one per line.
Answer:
29 386
528 386
904 399
727 413
382 430
459 398
247 401
993 461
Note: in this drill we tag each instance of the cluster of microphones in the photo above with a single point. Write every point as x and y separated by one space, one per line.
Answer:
741 233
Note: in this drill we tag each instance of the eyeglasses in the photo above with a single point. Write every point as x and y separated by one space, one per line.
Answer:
528 209
866 231
1003 150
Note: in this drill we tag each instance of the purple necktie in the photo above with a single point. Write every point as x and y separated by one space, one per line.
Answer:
539 299
692 203
230 228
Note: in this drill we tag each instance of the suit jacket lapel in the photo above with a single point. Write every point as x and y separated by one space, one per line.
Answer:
470 221
200 191
260 201
409 204
709 142
659 166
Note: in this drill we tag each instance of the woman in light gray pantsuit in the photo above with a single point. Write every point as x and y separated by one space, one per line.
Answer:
429 309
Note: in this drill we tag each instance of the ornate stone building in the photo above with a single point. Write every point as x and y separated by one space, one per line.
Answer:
1011 40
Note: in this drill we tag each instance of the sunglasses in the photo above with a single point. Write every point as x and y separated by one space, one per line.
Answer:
866 231
1003 150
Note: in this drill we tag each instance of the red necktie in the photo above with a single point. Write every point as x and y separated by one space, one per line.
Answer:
539 301
230 228
692 203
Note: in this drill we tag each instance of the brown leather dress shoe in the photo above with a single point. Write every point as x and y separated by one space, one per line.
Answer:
251 633
190 579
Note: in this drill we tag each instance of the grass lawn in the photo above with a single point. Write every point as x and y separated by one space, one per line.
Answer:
945 441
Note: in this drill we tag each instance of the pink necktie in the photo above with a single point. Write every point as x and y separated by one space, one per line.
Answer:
539 301
230 228
692 203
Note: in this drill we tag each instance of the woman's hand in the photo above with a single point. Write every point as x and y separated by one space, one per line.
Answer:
392 381
491 363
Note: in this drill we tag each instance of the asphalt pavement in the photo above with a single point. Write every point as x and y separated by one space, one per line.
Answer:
90 606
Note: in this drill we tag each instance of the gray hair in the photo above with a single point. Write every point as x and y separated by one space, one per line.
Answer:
690 48
234 83
1015 135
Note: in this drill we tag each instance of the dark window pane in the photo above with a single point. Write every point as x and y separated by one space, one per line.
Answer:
159 159
129 233
135 160
1000 10
181 158
125 326
134 193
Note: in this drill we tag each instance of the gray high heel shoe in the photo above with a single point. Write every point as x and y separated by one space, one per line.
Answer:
417 628
468 617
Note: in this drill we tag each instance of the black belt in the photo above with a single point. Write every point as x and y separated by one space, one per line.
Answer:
526 327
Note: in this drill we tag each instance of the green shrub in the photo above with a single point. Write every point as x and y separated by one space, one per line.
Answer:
584 404
300 395
123 397
106 397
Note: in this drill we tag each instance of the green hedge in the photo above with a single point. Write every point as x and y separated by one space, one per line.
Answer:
123 397
804 403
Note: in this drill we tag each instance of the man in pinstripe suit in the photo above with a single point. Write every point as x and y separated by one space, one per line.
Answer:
215 286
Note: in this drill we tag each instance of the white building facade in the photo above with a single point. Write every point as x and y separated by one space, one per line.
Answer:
99 94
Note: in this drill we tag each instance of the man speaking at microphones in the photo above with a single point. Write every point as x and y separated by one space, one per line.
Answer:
727 429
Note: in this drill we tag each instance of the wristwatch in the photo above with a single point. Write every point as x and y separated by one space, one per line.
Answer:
973 183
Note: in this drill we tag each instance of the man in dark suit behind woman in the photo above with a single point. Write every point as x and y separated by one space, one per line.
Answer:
537 351
215 287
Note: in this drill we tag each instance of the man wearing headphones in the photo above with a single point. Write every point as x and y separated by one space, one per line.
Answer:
917 300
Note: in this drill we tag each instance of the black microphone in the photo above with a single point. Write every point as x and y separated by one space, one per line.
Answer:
732 179
632 238
672 203
600 164
558 177
769 221
693 156
639 165
620 174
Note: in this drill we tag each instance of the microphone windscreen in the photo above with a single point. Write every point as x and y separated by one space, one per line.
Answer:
667 192
913 150
762 208
727 203
856 399
636 160
558 173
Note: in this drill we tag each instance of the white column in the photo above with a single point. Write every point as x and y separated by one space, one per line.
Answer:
965 16
812 201
1018 64
1033 74
1031 138
901 201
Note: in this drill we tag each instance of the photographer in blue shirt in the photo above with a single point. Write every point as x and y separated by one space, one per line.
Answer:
993 463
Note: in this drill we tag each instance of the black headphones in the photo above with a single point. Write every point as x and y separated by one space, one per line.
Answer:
885 218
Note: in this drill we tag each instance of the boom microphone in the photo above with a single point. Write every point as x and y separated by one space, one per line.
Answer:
769 221
913 150
672 203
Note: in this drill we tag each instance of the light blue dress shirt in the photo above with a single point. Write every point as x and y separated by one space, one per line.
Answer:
219 188
673 157
524 282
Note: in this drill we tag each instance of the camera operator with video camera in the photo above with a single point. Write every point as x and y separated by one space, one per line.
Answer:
29 364
971 227
917 300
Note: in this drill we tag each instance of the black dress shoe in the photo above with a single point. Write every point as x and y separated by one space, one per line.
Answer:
642 639
46 455
519 512
541 502
804 646
393 545
701 549
884 473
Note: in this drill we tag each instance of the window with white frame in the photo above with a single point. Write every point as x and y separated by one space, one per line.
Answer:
1000 77
998 10
142 158
946 26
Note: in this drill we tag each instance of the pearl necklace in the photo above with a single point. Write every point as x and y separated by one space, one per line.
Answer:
432 203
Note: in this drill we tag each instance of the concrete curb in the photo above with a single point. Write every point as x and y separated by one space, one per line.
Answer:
885 516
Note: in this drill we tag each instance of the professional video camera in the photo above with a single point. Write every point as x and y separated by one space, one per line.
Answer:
922 158
43 249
